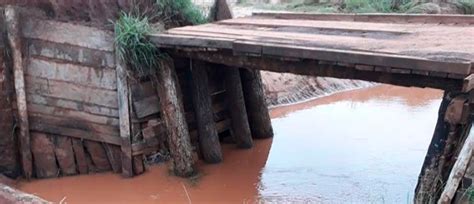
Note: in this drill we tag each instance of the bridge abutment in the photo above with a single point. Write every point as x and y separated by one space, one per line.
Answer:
450 133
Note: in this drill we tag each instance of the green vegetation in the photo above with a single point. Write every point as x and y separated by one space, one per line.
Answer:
467 6
133 45
179 13
131 30
375 6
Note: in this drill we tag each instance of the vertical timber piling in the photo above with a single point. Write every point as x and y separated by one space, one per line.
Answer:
124 115
9 164
450 132
12 19
257 110
173 114
209 144
236 105
235 97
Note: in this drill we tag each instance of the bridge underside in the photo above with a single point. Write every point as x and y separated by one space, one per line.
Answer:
320 68
404 50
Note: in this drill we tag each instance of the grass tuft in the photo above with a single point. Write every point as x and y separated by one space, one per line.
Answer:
179 13
133 45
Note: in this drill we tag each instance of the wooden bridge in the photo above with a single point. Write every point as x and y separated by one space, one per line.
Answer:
408 50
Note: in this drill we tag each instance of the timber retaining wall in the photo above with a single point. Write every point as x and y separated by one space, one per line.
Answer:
72 102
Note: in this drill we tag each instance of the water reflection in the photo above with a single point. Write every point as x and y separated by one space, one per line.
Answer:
364 146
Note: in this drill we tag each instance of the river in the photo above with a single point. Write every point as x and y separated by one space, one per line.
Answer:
360 146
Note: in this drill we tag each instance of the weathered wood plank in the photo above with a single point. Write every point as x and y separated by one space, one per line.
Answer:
238 111
468 84
123 97
72 114
98 155
367 58
80 155
138 166
65 155
73 105
81 75
12 19
257 109
74 124
72 54
146 107
67 33
43 126
74 92
324 70
458 171
173 115
44 158
166 40
385 18
114 155
208 138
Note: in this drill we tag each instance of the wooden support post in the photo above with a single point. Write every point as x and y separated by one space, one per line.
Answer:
12 19
238 112
429 169
458 171
124 115
257 110
208 138
173 114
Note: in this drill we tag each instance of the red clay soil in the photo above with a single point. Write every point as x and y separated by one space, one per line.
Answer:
94 12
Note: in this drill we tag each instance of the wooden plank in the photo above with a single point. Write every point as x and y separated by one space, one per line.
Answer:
72 114
80 155
374 59
143 90
146 107
315 68
173 114
74 124
468 83
73 105
364 67
71 53
98 156
71 73
65 155
381 18
67 33
74 92
138 165
43 126
45 160
123 97
324 27
208 138
458 170
114 156
166 40
12 19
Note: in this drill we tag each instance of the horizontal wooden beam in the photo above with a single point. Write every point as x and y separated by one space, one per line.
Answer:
322 69
374 17
256 48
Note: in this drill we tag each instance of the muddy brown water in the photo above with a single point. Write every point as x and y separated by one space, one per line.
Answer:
361 146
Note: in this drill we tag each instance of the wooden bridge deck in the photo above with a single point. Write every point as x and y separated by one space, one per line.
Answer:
411 50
